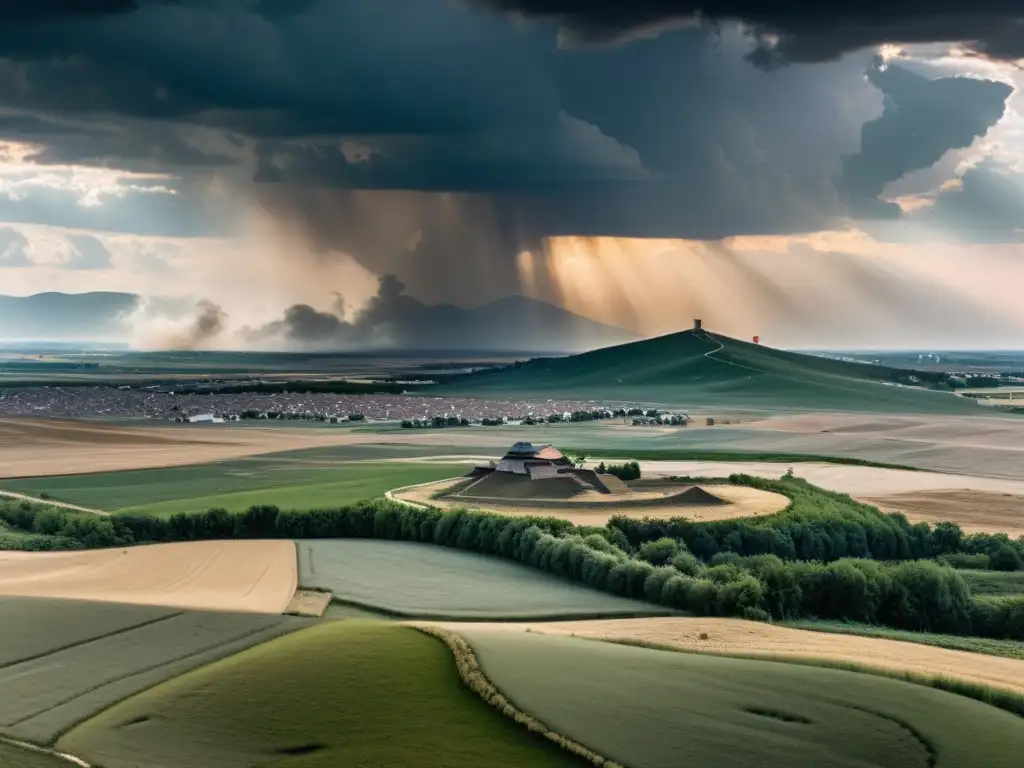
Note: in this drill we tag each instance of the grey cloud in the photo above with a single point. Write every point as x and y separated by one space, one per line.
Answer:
13 248
985 204
801 31
569 152
189 213
922 120
87 253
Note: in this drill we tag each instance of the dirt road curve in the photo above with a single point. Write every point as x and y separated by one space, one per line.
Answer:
51 502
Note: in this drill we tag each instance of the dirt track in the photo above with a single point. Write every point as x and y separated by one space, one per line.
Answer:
757 639
743 502
242 576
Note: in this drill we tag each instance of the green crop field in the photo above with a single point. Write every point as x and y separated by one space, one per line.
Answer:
428 581
648 709
1010 649
703 369
347 693
234 485
15 757
995 583
66 660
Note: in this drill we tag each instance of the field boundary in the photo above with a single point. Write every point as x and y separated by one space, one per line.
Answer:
28 747
1001 698
474 678
51 502
509 619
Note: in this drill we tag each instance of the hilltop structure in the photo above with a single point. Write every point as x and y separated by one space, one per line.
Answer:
533 460
536 469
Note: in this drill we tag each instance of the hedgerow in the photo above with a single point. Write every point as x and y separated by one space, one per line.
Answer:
715 569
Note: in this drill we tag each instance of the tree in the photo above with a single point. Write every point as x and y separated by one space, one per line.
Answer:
1006 558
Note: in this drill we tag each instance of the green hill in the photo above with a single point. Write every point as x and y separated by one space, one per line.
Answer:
696 368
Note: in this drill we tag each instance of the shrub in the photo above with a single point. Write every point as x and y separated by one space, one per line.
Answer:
1006 558
658 552
628 471
979 562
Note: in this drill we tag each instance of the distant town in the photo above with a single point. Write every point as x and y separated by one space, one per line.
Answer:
413 411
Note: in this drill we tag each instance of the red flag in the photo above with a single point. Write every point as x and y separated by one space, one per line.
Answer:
757 339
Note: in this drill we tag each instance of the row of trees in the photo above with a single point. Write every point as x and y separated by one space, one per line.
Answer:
910 595
628 471
823 526
437 422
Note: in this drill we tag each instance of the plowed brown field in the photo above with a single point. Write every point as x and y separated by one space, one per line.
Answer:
239 576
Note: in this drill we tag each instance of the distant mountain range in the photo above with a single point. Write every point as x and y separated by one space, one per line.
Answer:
515 323
66 316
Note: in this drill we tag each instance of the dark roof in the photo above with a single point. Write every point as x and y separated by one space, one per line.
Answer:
528 449
547 452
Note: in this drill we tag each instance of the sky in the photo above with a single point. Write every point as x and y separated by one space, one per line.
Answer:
845 174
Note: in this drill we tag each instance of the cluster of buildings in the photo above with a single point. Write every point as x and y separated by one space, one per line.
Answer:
112 402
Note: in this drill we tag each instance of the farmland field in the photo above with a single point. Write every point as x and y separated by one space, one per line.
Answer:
750 638
242 576
1010 649
15 757
647 708
290 483
343 693
427 581
996 583
69 660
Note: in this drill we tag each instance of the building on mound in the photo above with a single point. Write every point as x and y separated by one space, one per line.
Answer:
540 463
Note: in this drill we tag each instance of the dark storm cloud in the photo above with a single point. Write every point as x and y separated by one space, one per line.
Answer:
672 136
341 68
795 30
922 121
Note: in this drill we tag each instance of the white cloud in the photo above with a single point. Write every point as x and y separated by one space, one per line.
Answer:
13 248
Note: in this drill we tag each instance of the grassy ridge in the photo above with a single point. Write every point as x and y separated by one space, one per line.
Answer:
701 369
1009 649
645 707
346 693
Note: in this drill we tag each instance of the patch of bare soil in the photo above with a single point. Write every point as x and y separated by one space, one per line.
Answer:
738 502
309 602
974 511
239 576
34 448
757 639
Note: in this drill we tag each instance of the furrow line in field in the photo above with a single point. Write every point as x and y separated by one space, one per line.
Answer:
141 671
95 639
